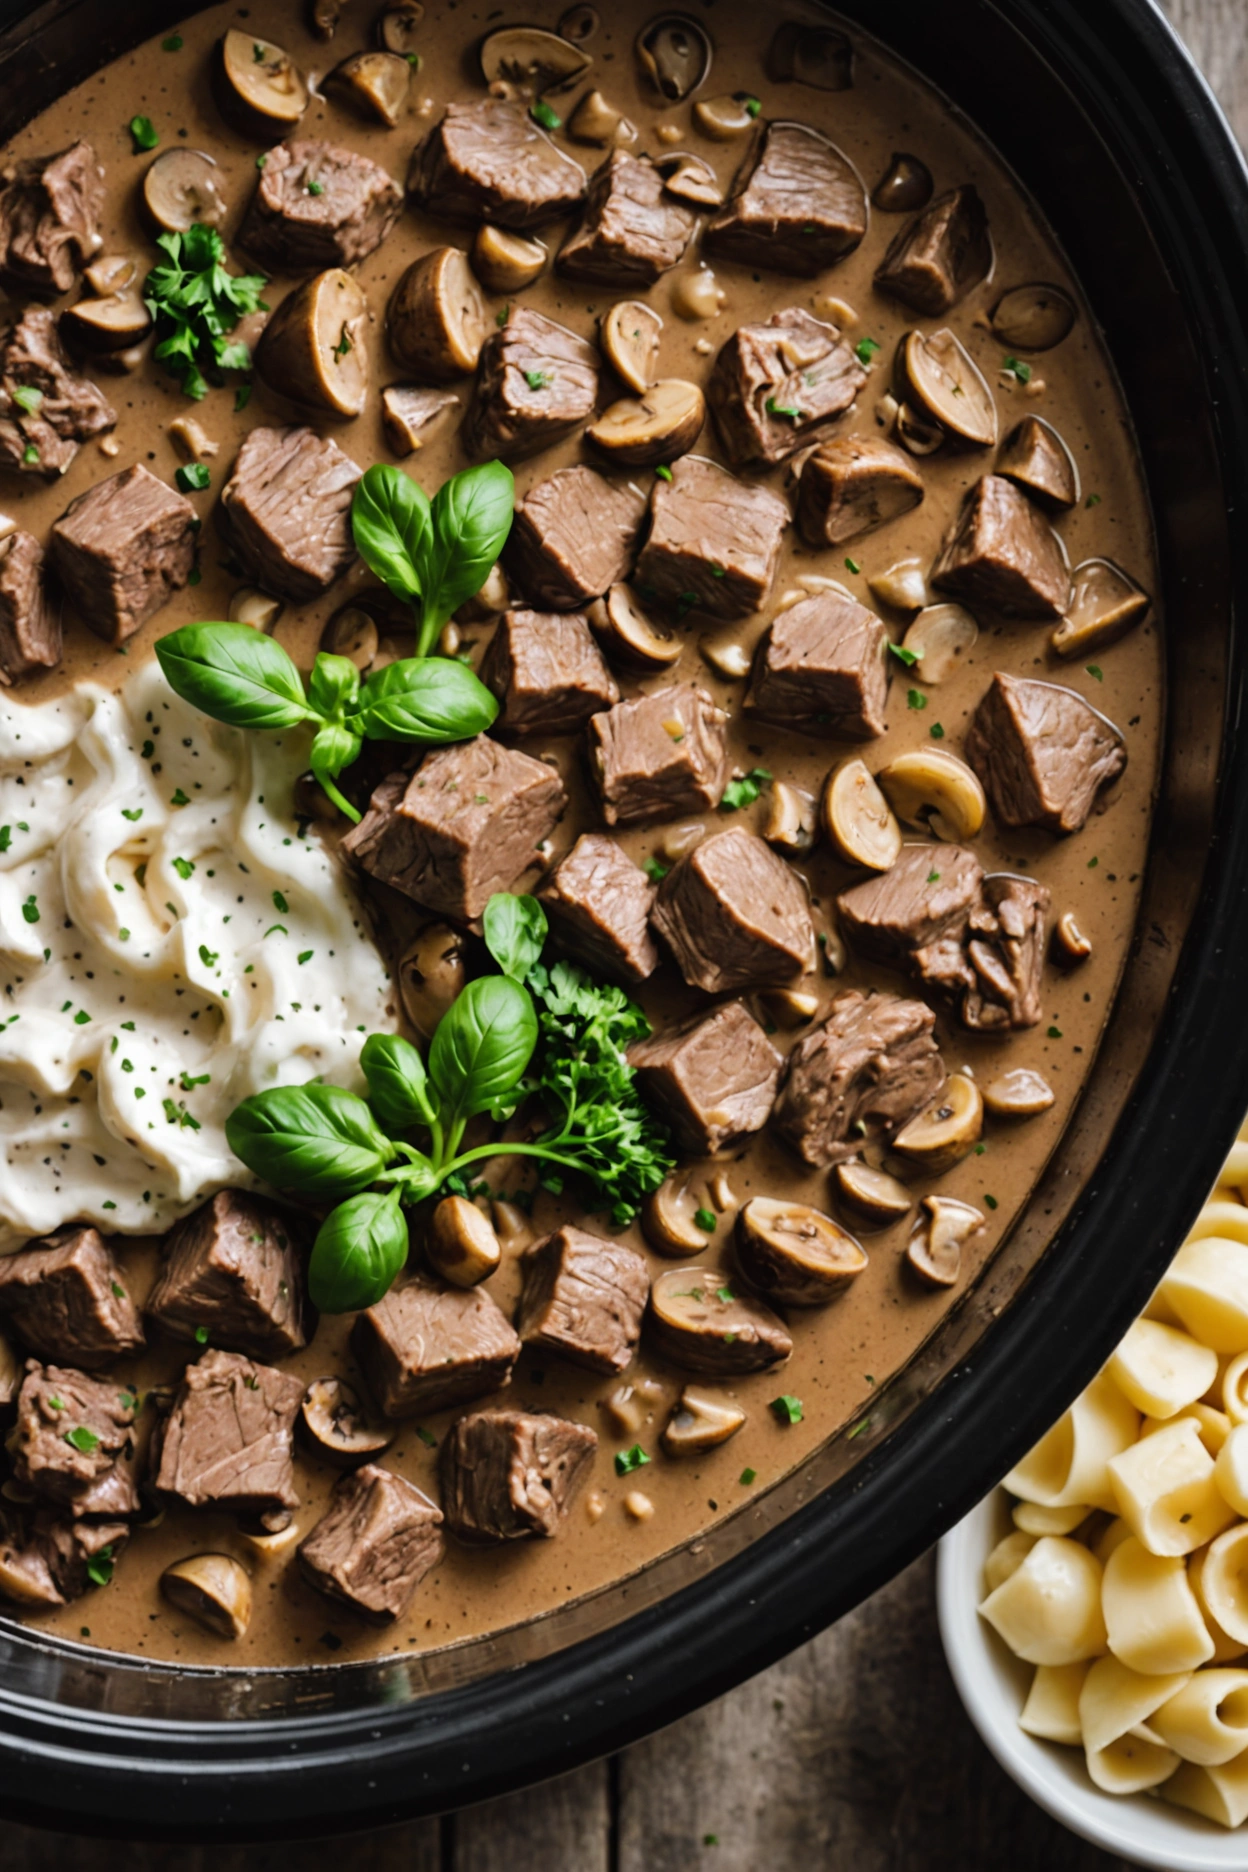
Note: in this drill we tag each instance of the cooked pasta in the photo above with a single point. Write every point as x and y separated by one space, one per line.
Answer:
1161 1369
1206 1720
1152 1619
1166 1490
1049 1609
1071 1464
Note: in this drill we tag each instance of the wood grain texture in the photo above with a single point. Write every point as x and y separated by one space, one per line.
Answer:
1217 33
565 1824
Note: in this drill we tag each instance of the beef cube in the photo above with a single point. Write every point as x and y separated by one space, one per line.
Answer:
286 512
633 232
574 536
1034 455
233 1270
317 205
491 162
598 903
714 543
44 441
1005 951
50 212
1042 752
467 823
929 892
713 1079
778 387
1002 554
30 624
122 549
936 259
871 1066
797 205
822 669
536 383
228 1440
657 756
852 485
67 1299
374 1544
583 1298
47 1561
509 1473
425 1347
71 1436
734 915
547 672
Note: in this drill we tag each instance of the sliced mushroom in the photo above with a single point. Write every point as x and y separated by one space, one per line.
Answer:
696 294
493 597
505 262
701 1324
658 427
934 791
461 1244
398 28
436 321
532 59
1019 1093
631 1406
915 433
191 440
677 841
876 1198
410 416
690 179
789 1008
1105 603
312 350
858 818
667 1218
699 1423
1035 456
727 656
626 634
630 337
182 189
375 83
795 1254
811 55
941 635
579 23
791 820
251 606
431 974
339 1427
1033 318
675 55
904 187
945 1131
939 378
259 89
723 118
324 16
352 633
940 1233
597 122
211 1588
117 318
903 585
269 1543
511 1225
1070 945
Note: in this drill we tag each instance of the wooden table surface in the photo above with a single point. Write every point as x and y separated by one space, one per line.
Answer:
852 1753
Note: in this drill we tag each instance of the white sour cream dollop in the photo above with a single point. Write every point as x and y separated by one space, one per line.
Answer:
169 943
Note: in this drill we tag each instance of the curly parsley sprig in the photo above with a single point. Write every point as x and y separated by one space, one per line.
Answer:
196 304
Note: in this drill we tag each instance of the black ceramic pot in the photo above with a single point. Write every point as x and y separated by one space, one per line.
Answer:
1113 132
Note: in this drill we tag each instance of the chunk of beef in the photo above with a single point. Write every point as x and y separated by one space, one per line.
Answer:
583 1298
574 536
67 1299
778 387
71 1438
929 892
1042 752
536 383
598 903
547 672
1034 455
467 823
713 1079
285 511
234 1271
30 622
852 485
714 543
1002 554
871 1066
490 162
822 669
317 205
47 1561
228 1440
632 233
657 756
734 915
508 1473
374 1544
797 205
50 212
425 1347
936 259
1005 943
122 549
43 441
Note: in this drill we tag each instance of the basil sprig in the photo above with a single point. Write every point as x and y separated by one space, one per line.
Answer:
434 554
550 1034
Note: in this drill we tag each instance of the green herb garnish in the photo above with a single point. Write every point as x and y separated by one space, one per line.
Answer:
745 789
787 1409
196 304
82 1439
144 134
193 478
541 113
629 1460
782 409
1015 367
908 657
28 398
655 871
865 350
915 699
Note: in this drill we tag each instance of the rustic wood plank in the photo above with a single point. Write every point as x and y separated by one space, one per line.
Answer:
400 1849
1217 33
563 1826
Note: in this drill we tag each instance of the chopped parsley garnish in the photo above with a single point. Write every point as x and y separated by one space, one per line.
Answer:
782 409
192 478
184 867
725 1294
305 955
655 871
502 315
748 1476
787 1409
274 928
937 731
627 1461
144 133
207 956
201 1335
541 113
81 1018
30 454
82 1439
908 657
427 1437
344 342
752 106
1093 500
132 813
28 398
1055 1033
865 350
1092 863
537 379
280 903
119 1292
744 790
915 699
30 910
991 1201
179 798
1094 669
196 304
189 1083
242 397
704 1219
6 837
933 877
663 471
315 187
852 565
1017 369
100 1569
172 44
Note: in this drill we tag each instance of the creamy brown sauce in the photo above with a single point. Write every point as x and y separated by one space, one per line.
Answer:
845 1352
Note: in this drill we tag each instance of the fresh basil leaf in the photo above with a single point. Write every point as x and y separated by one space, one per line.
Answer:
391 522
429 699
318 1140
515 930
482 1044
359 1250
471 517
397 1083
333 685
333 748
415 1181
233 673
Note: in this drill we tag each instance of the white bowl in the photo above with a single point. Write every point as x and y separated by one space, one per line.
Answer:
993 1683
